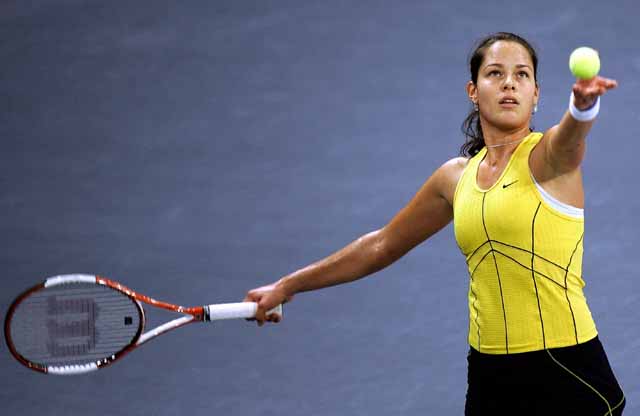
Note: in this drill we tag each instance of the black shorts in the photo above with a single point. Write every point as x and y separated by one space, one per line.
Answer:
575 380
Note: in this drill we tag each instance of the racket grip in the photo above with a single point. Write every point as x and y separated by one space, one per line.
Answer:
235 311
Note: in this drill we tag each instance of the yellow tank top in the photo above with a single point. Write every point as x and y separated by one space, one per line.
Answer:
525 261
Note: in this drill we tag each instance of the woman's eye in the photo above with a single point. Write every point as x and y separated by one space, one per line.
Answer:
492 73
523 74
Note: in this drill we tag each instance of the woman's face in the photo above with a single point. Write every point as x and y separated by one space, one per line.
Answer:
506 91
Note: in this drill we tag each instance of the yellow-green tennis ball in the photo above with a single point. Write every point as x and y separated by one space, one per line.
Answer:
584 63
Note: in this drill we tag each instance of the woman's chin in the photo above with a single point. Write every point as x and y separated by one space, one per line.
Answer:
509 122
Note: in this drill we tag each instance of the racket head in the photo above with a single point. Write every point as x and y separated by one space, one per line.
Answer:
72 324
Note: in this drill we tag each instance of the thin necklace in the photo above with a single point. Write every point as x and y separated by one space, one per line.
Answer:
503 144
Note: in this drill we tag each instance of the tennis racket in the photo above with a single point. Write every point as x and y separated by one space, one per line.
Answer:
78 323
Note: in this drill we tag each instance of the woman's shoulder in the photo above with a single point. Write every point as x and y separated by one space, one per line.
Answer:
454 167
449 174
456 163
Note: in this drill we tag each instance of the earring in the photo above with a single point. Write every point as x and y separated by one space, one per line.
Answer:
475 107
535 109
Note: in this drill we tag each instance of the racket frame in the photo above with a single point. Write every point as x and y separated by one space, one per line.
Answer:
74 368
191 314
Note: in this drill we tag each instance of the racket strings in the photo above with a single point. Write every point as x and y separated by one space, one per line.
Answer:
74 324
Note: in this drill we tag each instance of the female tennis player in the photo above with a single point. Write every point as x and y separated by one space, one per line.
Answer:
516 199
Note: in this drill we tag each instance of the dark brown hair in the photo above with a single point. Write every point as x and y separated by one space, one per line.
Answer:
471 127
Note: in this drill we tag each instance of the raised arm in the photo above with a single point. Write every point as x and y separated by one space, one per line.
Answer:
565 142
428 212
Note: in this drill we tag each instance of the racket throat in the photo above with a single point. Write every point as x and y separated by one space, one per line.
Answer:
206 314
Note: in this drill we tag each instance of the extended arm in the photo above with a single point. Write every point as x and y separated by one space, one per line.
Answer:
565 142
428 212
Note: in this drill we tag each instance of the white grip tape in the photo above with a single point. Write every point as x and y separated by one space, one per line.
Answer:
237 310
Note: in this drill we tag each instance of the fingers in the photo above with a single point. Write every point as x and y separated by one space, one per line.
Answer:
586 91
255 296
609 84
267 298
273 317
597 80
262 316
265 310
594 87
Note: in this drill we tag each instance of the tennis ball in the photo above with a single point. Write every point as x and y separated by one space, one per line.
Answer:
584 63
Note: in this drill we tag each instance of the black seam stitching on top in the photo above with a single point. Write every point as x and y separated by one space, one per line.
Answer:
480 262
475 298
479 247
535 271
495 262
530 252
517 248
566 288
533 274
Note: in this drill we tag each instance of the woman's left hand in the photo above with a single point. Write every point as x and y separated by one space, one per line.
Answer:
586 91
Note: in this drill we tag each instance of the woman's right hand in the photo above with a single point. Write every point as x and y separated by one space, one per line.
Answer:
267 298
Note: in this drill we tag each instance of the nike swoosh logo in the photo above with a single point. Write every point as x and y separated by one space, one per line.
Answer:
509 184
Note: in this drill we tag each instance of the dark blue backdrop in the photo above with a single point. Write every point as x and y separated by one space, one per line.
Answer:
195 150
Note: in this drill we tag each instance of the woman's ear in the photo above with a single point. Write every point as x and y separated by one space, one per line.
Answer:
472 92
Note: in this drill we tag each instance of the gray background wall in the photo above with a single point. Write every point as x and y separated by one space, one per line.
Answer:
195 150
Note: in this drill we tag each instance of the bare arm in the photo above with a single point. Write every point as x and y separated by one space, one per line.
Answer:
428 212
565 142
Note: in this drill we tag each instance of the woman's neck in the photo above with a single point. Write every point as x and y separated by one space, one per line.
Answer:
501 144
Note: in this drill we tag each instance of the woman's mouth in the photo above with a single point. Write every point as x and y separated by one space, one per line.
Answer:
508 102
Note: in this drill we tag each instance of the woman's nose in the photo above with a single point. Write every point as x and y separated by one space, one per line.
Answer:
508 83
